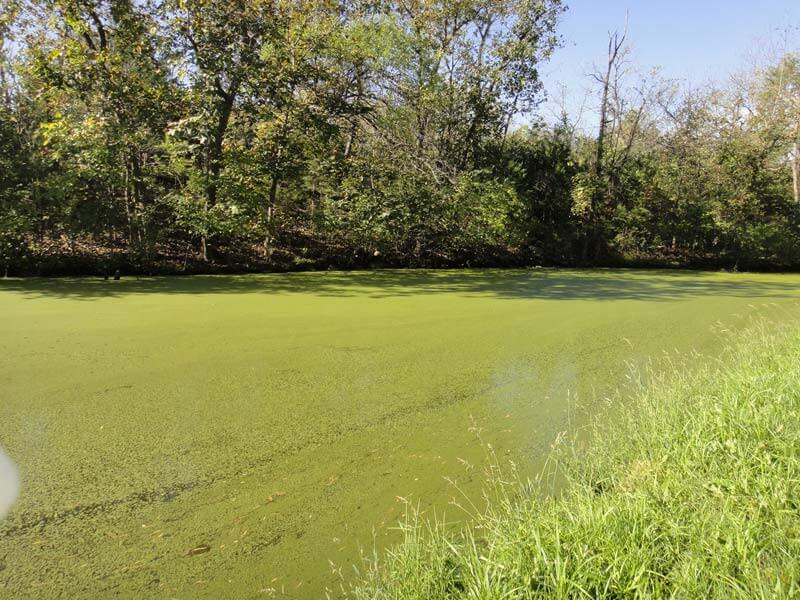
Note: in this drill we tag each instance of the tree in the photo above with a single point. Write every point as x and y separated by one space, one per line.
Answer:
96 67
779 109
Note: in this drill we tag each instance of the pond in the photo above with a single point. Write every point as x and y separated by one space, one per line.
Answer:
251 436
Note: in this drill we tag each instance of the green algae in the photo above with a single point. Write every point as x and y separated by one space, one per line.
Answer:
245 436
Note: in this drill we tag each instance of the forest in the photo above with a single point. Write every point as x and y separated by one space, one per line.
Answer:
166 136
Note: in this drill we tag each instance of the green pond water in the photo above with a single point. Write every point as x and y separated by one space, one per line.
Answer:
244 437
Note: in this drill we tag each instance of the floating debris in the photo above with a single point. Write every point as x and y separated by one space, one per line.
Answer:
198 550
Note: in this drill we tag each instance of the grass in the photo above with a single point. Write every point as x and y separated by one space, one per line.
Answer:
692 492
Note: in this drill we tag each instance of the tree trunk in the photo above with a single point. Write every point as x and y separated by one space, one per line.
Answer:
351 138
215 152
615 44
227 99
585 250
273 195
138 204
129 217
203 237
796 172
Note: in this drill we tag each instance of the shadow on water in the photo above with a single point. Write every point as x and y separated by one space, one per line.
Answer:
600 284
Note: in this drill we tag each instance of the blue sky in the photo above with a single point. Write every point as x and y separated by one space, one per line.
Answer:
695 41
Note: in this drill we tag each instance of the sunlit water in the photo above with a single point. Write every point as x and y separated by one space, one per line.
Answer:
243 437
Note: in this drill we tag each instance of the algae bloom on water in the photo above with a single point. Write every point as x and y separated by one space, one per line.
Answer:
213 437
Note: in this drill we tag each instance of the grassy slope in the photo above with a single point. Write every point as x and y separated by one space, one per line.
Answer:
694 493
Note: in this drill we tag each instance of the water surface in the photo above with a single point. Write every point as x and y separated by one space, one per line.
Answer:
242 437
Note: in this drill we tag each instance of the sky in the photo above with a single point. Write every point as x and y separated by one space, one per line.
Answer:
692 41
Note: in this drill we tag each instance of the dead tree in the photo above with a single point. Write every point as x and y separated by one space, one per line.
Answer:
616 53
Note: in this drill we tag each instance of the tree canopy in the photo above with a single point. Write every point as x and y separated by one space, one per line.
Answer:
201 135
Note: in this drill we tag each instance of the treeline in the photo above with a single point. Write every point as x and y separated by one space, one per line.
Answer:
170 135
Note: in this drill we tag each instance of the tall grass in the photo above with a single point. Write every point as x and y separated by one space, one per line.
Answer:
692 492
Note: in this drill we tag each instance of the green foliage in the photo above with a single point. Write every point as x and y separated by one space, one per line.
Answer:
252 134
13 241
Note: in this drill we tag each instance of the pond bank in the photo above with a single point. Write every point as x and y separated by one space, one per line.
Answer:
695 495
